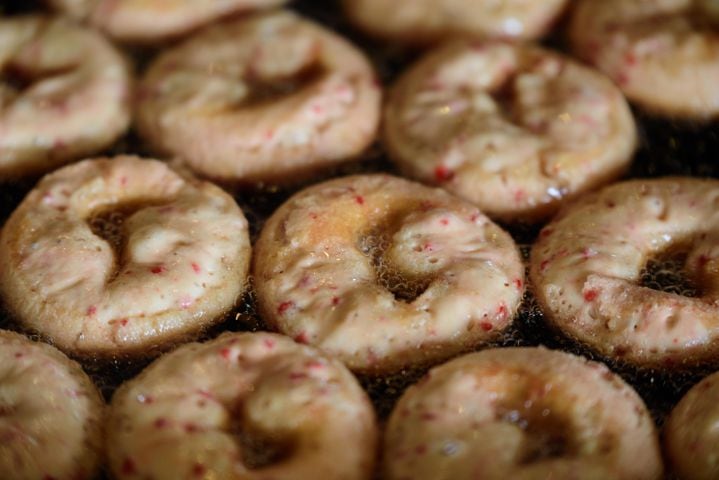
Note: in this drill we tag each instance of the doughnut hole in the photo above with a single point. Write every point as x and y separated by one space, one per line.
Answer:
545 434
260 448
109 223
263 91
402 284
14 82
667 272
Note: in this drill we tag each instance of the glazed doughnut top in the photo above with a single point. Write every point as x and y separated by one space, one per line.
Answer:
50 414
247 406
148 21
521 413
113 256
428 20
515 129
64 93
587 267
264 98
664 54
690 435
386 273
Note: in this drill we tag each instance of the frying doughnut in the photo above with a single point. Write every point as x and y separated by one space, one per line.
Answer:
246 405
51 414
690 437
515 129
664 54
64 94
422 21
152 21
587 265
521 413
385 273
119 256
261 99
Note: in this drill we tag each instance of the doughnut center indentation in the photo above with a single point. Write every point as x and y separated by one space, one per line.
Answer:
545 435
109 223
265 91
261 449
666 272
404 289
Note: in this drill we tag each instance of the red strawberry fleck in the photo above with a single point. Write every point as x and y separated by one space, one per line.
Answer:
444 221
269 343
128 467
158 269
284 306
205 394
486 326
426 205
161 422
359 199
297 376
302 338
502 311
225 353
123 322
191 428
123 181
543 266
315 365
703 260
443 174
428 416
545 232
335 301
91 310
196 268
518 283
18 355
590 295
198 470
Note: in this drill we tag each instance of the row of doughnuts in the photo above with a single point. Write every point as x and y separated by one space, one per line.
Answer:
275 98
122 256
326 270
258 405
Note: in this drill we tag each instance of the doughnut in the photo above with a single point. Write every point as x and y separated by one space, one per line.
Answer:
664 54
51 414
263 99
425 21
385 274
521 413
153 21
587 266
516 129
64 94
691 440
245 405
122 256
